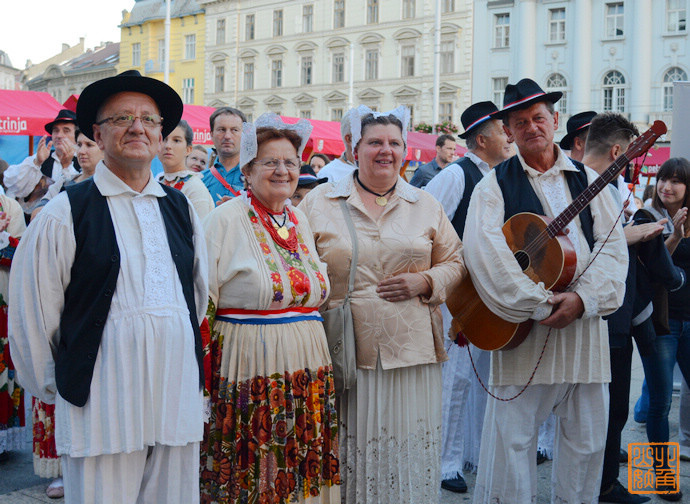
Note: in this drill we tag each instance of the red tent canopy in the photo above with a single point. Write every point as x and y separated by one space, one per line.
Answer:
71 103
197 117
26 112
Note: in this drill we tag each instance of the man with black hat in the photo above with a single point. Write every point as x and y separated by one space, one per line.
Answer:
487 145
445 150
60 165
565 355
108 289
577 128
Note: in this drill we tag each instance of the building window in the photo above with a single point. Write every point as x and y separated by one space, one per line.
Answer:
248 76
502 30
556 82
557 25
447 56
498 85
276 73
372 11
339 14
277 22
407 59
676 15
190 47
336 114
339 67
249 27
220 79
672 75
614 92
161 50
372 65
308 18
408 9
448 6
614 20
445 112
136 54
220 31
305 114
188 90
306 70
410 126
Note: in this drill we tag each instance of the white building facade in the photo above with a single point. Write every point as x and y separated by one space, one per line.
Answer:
604 55
317 58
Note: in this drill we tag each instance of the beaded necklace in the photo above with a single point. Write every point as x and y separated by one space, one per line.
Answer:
285 234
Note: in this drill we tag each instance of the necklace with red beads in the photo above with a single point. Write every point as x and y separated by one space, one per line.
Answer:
284 234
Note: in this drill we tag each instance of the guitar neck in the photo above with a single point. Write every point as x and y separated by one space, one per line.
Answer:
586 196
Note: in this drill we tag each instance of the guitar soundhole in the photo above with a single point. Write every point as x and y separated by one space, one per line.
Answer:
522 259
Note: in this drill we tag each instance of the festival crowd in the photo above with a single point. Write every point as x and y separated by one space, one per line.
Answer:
249 328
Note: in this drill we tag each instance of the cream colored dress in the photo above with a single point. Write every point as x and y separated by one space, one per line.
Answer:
391 420
273 434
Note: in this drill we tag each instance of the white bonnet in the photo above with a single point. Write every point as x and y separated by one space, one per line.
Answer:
359 113
248 145
21 179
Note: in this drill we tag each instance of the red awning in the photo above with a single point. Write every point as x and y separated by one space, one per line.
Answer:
656 156
26 112
71 103
197 116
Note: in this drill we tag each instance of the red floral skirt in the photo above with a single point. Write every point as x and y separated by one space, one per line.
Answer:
11 394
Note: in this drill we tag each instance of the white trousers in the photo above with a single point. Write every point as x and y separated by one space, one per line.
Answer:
157 474
507 463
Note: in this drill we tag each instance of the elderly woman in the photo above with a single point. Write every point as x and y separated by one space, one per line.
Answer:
409 256
272 436
176 146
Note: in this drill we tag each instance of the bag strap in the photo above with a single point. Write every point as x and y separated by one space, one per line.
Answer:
355 247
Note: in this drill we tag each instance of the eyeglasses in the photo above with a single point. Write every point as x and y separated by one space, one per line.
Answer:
291 164
149 121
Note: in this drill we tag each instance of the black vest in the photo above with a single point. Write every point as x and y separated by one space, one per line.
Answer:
47 166
472 178
94 277
518 195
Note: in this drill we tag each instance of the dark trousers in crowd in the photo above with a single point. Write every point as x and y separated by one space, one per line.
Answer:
619 397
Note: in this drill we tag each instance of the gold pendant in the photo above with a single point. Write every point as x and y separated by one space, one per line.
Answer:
381 201
283 232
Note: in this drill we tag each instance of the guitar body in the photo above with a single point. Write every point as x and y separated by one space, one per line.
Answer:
552 263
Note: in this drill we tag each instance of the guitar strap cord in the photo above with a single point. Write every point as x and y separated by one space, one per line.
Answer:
522 390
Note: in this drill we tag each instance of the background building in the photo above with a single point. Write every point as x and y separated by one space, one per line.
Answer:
620 56
9 76
315 59
142 45
70 77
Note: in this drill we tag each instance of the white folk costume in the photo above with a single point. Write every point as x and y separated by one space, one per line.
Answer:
571 379
391 419
145 389
12 420
191 185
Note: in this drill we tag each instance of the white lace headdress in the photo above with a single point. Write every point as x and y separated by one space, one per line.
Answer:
248 145
359 113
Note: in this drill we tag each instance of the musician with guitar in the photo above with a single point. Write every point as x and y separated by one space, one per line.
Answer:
565 354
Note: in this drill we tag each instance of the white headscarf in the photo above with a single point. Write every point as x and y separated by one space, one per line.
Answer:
248 145
357 114
21 179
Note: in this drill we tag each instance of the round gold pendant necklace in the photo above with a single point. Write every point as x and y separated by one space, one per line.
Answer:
381 199
282 228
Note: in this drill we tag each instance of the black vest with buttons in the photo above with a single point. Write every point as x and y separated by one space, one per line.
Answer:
472 178
519 196
94 277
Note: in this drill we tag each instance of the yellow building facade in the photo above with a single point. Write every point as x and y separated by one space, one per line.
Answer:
142 45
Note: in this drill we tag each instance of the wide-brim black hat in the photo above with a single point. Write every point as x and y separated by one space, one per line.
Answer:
168 101
63 116
477 114
576 125
525 94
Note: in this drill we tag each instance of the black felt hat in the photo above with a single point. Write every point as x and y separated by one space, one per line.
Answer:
308 177
525 94
93 96
476 114
63 116
576 125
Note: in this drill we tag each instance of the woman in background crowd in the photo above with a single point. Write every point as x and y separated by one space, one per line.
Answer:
409 256
88 155
196 160
318 161
174 151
